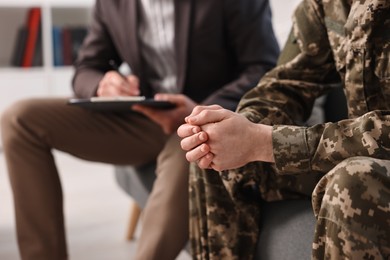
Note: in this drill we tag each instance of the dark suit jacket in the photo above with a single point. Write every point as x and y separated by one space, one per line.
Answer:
223 47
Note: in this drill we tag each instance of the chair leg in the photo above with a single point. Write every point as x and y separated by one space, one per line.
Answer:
135 212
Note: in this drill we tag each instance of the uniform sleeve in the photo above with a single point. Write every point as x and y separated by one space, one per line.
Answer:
306 70
321 147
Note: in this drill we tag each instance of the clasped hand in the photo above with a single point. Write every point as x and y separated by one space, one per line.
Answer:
221 139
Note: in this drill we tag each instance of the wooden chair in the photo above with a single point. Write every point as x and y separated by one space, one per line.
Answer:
135 213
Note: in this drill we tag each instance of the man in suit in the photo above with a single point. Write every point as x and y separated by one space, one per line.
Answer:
187 52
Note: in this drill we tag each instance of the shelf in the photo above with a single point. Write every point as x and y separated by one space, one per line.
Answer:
70 16
57 14
11 20
42 3
19 3
16 71
46 80
71 3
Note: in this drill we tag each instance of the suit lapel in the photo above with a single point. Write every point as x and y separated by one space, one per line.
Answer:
130 8
182 27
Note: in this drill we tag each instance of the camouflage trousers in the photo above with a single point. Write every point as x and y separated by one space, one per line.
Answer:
351 204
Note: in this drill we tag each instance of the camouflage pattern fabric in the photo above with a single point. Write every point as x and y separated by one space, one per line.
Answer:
333 43
225 207
229 231
351 204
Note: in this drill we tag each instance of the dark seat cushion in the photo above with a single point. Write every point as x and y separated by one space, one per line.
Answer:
287 227
287 230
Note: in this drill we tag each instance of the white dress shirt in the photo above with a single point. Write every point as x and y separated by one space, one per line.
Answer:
156 32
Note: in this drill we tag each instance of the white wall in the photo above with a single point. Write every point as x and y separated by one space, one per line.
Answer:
282 11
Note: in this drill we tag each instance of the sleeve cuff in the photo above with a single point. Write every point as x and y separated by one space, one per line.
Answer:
290 148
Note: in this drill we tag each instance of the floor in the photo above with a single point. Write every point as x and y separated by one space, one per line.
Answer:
96 212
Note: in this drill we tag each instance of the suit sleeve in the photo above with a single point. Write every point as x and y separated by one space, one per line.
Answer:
252 40
94 57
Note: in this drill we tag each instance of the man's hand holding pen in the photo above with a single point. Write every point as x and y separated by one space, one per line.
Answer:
115 84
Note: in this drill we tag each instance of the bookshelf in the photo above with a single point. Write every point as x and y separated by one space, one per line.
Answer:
48 80
45 80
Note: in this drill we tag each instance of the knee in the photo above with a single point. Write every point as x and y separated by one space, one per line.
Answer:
14 117
355 173
354 199
353 184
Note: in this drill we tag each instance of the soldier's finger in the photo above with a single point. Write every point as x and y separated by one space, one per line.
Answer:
190 142
198 109
187 130
197 153
206 161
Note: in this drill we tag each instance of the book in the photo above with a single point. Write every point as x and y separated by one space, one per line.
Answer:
57 46
78 35
33 28
67 46
38 54
20 43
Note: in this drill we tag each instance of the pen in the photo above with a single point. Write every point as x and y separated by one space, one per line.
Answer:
123 70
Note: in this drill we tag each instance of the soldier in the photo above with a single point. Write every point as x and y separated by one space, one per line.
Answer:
186 52
261 152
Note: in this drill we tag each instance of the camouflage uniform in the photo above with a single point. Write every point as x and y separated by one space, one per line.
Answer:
345 166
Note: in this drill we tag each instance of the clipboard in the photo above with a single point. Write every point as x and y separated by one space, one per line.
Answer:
118 104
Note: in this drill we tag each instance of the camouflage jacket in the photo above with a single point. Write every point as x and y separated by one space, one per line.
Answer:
333 43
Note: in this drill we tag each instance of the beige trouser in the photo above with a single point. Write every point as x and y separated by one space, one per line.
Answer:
32 128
